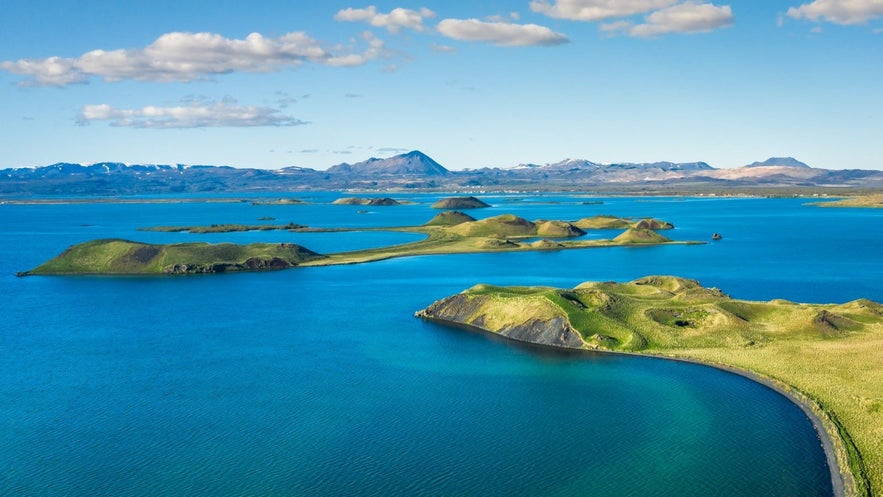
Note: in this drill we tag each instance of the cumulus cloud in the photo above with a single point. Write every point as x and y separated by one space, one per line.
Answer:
500 33
204 114
682 18
596 10
393 22
839 11
190 56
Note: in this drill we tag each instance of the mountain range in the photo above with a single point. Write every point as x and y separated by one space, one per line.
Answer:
416 170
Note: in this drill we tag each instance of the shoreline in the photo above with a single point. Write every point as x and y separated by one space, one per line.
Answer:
840 475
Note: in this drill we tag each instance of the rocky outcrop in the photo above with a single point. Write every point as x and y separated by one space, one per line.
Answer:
476 311
251 264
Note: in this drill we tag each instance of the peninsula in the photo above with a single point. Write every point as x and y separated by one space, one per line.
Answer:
446 233
808 352
871 200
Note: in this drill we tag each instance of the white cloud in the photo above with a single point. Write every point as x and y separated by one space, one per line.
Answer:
596 10
200 114
191 56
683 18
500 33
839 11
394 21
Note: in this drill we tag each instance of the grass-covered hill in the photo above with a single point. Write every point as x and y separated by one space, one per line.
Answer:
449 218
459 203
828 355
508 225
373 201
606 222
640 236
115 256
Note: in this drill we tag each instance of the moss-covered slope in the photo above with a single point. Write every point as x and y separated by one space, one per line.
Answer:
605 222
116 256
449 218
508 225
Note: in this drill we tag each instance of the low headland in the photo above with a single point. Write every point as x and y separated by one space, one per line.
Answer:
446 233
809 352
867 201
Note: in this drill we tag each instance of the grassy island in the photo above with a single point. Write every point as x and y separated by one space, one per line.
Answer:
446 233
385 201
605 222
226 228
459 203
824 356
113 256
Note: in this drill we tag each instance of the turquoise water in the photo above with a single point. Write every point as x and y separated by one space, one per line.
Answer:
318 381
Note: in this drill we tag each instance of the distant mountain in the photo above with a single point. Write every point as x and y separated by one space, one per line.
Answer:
416 170
779 161
414 163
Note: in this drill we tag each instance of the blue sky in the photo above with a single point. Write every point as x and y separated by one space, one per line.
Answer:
472 84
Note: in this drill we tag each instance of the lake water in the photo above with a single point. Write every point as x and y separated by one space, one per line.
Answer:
319 381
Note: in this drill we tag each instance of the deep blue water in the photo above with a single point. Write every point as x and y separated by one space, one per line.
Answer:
319 381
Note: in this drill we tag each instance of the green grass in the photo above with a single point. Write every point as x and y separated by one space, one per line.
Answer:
509 226
607 222
827 355
459 203
450 218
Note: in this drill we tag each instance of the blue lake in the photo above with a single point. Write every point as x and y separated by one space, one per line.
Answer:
319 381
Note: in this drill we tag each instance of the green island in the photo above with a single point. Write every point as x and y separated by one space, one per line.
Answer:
226 228
280 201
115 256
808 352
382 201
459 203
873 201
449 232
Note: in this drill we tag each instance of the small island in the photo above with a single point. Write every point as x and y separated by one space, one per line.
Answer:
446 233
459 203
806 351
114 256
280 201
608 222
372 201
226 228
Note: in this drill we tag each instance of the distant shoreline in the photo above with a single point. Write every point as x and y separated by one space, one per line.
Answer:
820 194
